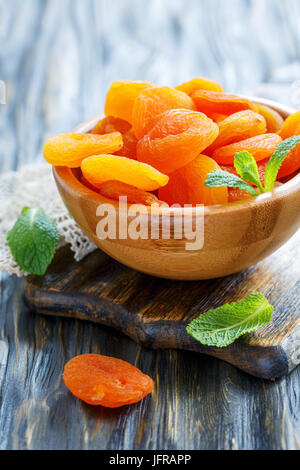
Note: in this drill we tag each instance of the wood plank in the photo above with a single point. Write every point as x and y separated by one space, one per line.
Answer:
154 312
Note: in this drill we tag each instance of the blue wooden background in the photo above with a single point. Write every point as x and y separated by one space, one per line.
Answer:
57 58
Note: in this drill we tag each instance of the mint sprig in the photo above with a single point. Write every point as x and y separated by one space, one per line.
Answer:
219 178
222 326
246 166
33 240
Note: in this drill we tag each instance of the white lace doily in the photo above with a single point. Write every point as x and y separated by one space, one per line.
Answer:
34 186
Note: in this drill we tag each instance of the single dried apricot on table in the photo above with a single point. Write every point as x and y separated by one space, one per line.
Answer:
106 381
177 138
98 169
273 119
187 185
222 103
152 102
121 96
238 126
111 124
261 147
116 189
70 149
200 84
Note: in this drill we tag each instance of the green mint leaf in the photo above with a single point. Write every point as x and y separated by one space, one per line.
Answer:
222 326
218 178
277 159
33 240
246 166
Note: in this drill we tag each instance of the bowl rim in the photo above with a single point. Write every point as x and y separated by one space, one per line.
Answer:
278 193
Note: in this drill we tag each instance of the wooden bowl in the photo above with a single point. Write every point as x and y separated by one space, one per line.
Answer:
236 235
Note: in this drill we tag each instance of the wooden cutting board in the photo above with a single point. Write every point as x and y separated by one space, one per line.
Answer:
155 312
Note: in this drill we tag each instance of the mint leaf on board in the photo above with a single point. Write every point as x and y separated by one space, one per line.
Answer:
277 159
246 166
33 240
218 178
222 326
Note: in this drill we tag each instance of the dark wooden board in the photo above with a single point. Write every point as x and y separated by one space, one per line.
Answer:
155 312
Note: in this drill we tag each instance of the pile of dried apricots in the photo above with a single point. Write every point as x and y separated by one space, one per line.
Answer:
157 145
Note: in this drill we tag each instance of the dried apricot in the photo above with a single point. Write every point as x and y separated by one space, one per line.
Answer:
121 97
217 117
177 138
70 149
221 103
236 194
111 124
116 189
291 126
98 169
273 119
238 126
153 102
261 147
186 186
129 145
200 84
106 381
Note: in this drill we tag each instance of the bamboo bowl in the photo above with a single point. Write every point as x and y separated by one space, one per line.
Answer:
236 235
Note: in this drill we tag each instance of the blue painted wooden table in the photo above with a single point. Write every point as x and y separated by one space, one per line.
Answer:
57 58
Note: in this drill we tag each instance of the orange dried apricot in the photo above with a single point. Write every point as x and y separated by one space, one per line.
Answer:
199 84
111 124
153 102
177 138
261 147
70 149
291 126
236 194
221 103
98 169
129 145
217 117
121 97
238 126
186 186
273 119
116 189
291 163
106 381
